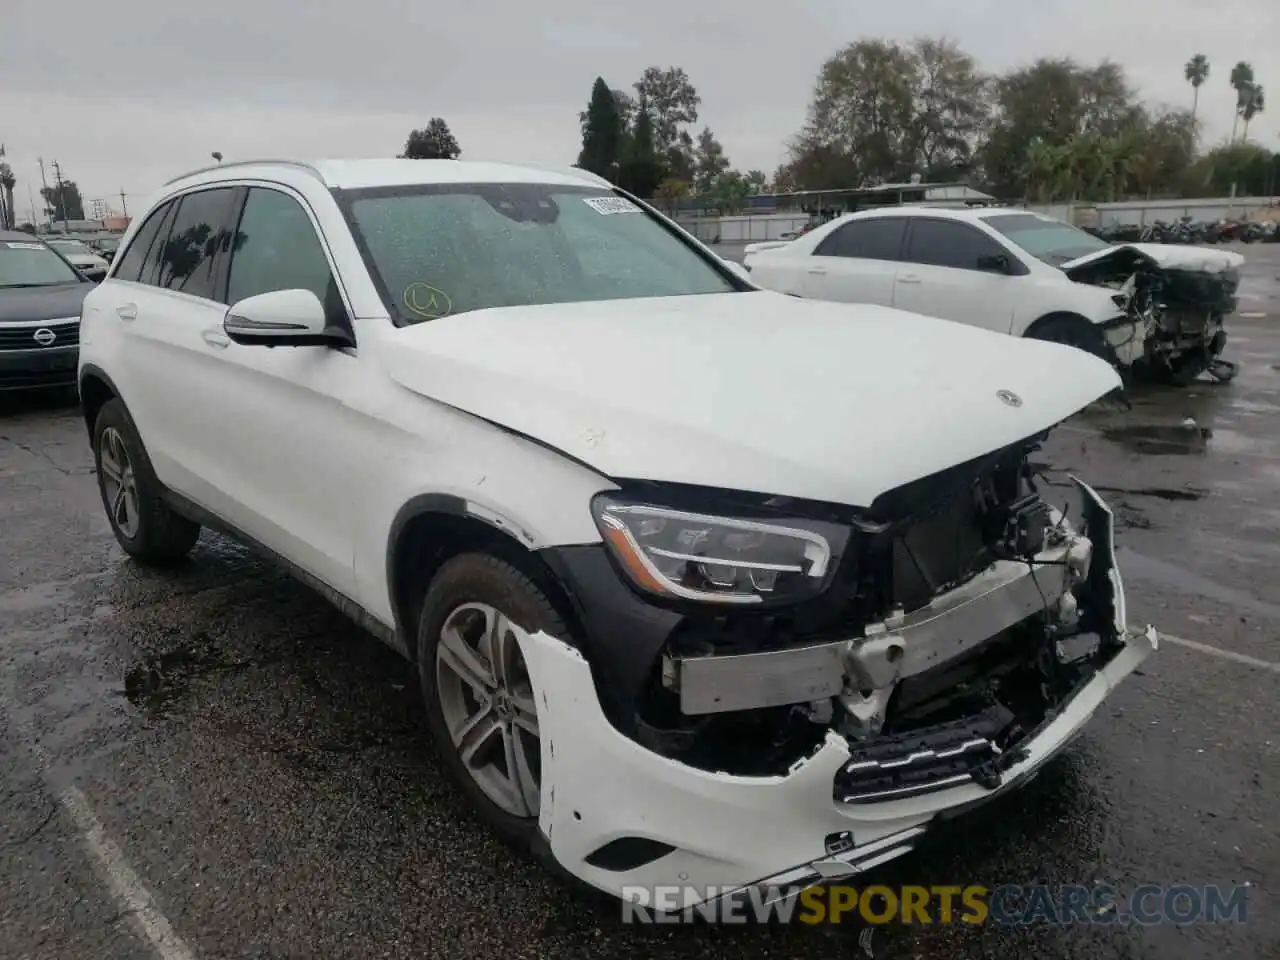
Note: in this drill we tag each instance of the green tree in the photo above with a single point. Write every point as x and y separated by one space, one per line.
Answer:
1055 101
434 142
816 165
1248 166
671 192
952 108
709 162
673 103
1241 82
626 107
64 205
641 170
863 106
602 133
730 192
1255 103
757 180
1197 72
1165 151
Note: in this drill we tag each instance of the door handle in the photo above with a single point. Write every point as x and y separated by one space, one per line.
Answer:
216 338
908 278
817 271
127 311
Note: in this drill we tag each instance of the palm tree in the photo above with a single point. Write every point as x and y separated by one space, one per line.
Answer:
1241 81
7 182
1254 104
1196 72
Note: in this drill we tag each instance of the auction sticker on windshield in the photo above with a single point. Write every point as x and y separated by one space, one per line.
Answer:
607 205
25 246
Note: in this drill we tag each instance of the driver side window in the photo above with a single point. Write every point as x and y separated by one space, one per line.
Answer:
276 248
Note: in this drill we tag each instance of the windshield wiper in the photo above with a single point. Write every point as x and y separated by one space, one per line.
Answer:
11 286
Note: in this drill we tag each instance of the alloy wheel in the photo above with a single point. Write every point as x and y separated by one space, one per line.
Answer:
487 702
119 482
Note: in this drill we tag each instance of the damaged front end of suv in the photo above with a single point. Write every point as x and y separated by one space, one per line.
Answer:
866 673
1175 300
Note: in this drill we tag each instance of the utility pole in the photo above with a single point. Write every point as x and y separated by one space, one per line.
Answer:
124 204
44 186
62 200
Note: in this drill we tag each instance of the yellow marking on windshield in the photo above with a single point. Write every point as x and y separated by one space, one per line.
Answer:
427 301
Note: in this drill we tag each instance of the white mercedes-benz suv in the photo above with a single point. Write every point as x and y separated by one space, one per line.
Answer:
706 585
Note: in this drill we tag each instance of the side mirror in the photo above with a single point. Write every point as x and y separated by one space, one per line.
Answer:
282 318
994 263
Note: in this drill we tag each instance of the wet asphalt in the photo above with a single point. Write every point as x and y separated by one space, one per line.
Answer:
260 766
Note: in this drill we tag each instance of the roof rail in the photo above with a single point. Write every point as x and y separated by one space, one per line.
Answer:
297 164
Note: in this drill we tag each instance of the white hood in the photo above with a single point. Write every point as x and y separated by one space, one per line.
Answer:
750 391
1167 256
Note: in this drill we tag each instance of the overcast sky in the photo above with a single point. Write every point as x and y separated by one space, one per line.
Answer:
127 93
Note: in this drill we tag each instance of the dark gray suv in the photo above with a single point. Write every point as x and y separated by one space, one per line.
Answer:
40 299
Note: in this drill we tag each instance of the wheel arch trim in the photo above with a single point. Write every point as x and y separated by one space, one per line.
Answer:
450 505
93 371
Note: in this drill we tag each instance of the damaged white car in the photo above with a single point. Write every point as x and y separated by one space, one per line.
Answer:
1154 306
706 585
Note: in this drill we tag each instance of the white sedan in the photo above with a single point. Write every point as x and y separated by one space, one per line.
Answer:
1021 273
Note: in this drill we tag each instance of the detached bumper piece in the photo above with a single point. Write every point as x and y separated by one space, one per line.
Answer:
921 761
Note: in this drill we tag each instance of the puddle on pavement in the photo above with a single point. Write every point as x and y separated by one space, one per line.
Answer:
1173 438
1254 406
164 678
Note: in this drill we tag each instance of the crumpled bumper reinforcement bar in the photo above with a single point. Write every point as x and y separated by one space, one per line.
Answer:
951 625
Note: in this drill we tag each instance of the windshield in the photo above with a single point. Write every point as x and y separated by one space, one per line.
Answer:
450 248
1046 239
32 264
108 245
67 247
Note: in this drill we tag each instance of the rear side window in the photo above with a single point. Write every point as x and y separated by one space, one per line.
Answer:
135 255
879 238
276 248
200 229
947 243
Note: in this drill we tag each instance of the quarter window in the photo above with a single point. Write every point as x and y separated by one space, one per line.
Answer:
878 238
276 248
947 243
135 256
199 231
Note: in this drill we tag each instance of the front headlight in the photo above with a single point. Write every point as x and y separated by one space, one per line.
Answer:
732 560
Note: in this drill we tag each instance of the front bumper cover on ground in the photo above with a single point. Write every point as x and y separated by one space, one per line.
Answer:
736 834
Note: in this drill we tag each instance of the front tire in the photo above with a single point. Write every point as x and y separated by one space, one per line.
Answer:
475 686
144 525
1072 332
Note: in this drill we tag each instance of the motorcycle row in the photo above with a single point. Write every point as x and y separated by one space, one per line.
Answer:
1188 230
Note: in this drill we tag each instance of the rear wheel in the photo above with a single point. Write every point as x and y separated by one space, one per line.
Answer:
476 687
142 522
